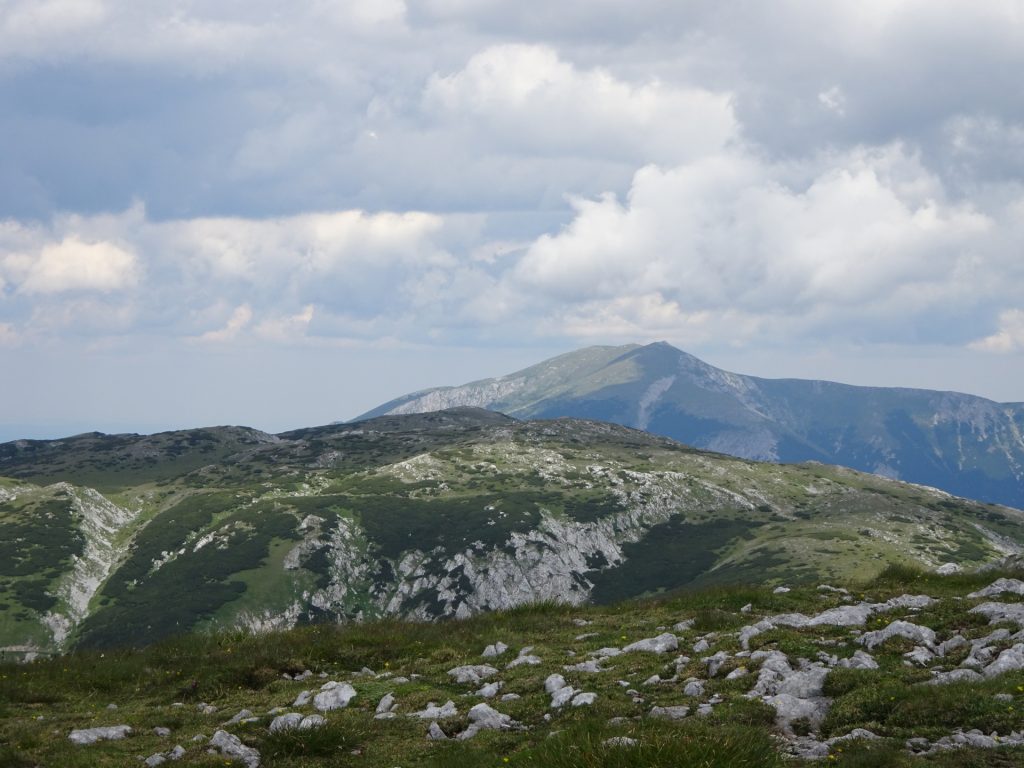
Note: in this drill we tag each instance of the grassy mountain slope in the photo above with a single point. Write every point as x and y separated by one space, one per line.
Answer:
966 445
194 685
130 539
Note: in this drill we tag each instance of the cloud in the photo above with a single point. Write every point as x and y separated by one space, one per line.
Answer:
866 235
526 96
287 329
8 335
238 321
72 264
1009 337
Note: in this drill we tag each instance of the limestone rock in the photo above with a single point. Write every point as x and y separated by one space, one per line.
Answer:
434 712
472 673
913 632
1000 586
663 643
334 695
670 713
106 733
434 733
492 651
286 722
231 746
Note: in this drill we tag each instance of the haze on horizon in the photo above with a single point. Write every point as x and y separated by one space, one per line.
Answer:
229 213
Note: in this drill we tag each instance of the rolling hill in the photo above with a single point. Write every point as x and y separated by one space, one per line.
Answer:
115 539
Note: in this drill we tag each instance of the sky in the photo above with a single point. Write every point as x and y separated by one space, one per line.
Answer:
279 215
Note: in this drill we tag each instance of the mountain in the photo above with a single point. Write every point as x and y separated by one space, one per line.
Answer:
966 445
114 539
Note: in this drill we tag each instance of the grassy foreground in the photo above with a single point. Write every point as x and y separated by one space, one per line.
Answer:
164 685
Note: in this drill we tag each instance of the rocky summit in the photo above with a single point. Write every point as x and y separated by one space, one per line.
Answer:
124 539
966 445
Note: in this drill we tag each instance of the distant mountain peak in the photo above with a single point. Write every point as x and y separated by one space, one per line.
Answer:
964 444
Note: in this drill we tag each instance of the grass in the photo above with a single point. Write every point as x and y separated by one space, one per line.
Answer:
163 684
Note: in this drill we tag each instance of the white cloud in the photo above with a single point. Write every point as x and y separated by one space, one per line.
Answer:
734 234
8 335
833 100
1009 337
526 96
308 245
238 321
289 328
72 264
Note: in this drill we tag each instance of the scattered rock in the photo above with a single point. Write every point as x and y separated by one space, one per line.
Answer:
955 676
1000 586
1009 660
663 643
694 688
620 741
495 650
562 696
584 699
434 712
714 663
554 683
334 695
909 630
472 673
312 721
999 612
301 700
286 722
524 657
490 690
948 569
386 704
162 732
859 660
231 746
484 717
920 656
670 713
106 733
244 715
781 590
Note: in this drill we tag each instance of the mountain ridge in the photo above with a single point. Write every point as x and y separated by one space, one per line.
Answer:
967 445
129 539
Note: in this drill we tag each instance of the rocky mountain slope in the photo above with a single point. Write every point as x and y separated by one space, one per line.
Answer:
966 445
907 669
113 539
